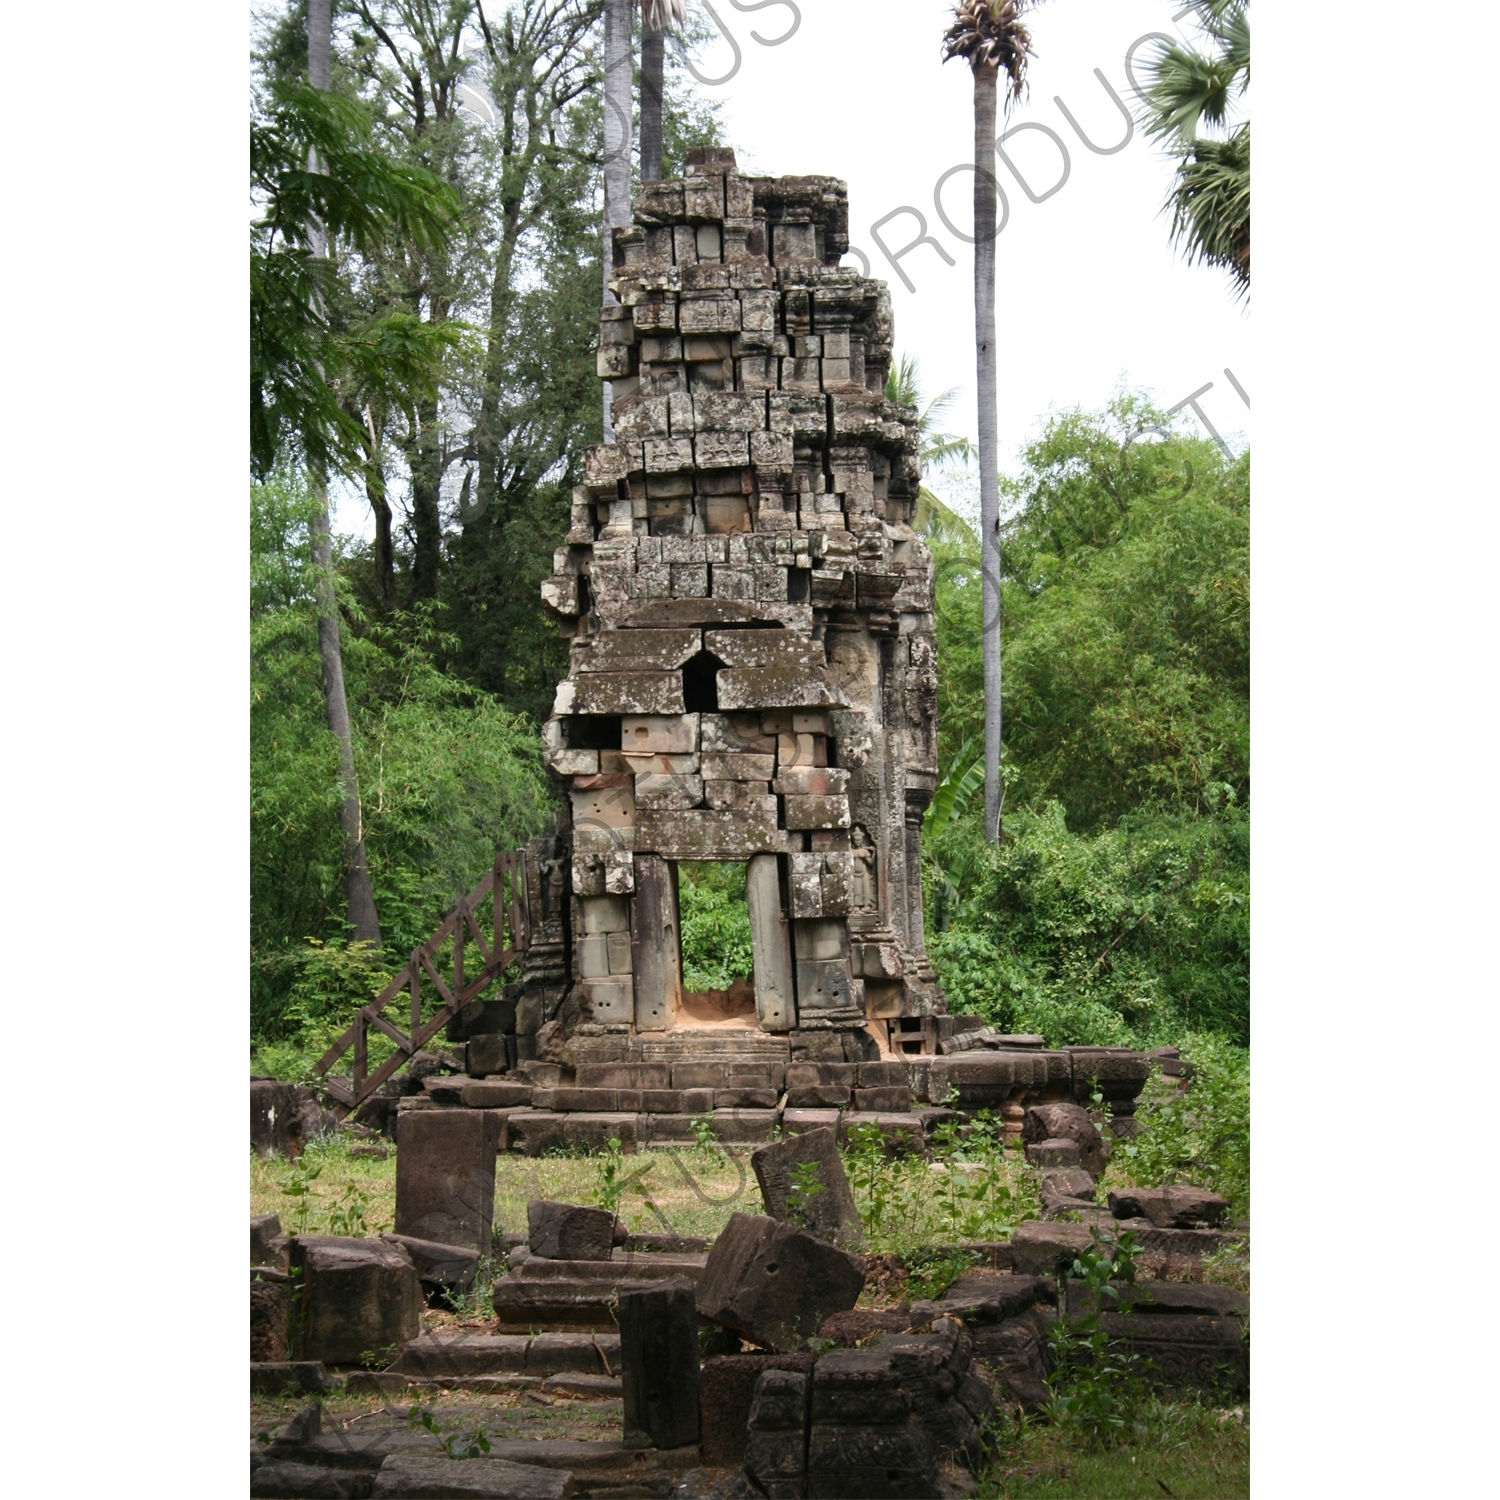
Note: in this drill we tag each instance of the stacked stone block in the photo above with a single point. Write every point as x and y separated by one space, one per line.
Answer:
753 662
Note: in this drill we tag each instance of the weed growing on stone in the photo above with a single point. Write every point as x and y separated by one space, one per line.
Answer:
705 1138
931 1272
1097 1385
456 1442
802 1188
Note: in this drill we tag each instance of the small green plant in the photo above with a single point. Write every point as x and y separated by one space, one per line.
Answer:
347 1216
930 1275
611 1179
456 1443
705 1138
804 1186
1097 1385
299 1186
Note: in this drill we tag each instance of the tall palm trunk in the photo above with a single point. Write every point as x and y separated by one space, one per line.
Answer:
986 79
358 892
653 69
618 16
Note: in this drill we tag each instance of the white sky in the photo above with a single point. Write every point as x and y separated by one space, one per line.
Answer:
1090 291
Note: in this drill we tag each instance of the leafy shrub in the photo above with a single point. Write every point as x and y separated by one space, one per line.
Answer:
715 925
1201 1135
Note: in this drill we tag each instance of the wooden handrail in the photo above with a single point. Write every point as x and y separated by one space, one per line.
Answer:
511 938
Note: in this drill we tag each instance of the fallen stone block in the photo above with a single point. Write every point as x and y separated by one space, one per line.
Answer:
659 1364
274 1124
883 1417
267 1242
1018 1351
359 1299
1174 1207
1184 1354
418 1478
439 1267
1045 1249
616 1270
1163 1298
445 1176
774 1283
524 1305
575 1353
279 1479
1048 1122
569 1231
829 1212
439 1357
725 1395
282 1377
268 1317
1054 1155
1074 1183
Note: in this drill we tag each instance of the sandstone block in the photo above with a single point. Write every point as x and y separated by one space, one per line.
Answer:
569 1231
358 1297
659 1360
774 1283
829 1212
445 1175
1045 1122
659 734
1174 1207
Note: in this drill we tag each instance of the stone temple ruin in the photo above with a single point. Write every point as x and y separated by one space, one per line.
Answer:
754 668
753 678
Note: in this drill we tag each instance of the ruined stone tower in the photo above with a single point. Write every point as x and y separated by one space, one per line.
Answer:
754 671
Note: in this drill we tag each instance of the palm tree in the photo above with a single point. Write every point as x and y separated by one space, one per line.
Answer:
990 34
657 17
1210 196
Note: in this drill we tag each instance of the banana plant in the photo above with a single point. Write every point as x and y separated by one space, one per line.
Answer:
963 779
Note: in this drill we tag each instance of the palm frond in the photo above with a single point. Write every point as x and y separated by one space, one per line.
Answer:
661 15
991 34
1210 205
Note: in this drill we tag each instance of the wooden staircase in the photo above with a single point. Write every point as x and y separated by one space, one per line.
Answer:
504 887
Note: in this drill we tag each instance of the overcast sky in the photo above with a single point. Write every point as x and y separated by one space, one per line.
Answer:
1090 291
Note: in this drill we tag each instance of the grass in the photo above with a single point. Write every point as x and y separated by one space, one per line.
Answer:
1182 1450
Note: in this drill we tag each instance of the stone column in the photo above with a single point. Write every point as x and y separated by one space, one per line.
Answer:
655 944
774 999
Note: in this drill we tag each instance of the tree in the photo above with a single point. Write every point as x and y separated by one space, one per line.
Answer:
359 893
656 17
1117 907
1186 88
317 177
990 34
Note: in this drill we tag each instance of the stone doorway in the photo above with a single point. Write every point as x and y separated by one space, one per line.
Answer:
718 962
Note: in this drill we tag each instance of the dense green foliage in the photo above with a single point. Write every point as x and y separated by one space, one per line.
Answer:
1115 908
715 925
448 775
